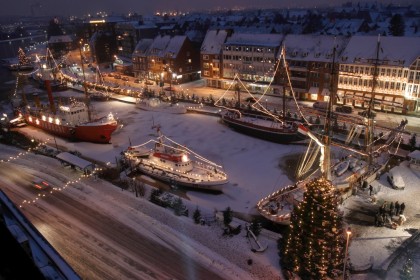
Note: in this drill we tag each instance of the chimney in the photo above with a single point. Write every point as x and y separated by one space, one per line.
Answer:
37 102
50 97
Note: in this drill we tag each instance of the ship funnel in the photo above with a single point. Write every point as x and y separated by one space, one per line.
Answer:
36 98
50 96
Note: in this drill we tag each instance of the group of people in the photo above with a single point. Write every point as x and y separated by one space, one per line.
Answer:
385 213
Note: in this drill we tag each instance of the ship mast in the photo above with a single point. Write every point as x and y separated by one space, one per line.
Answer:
87 101
369 116
328 127
284 79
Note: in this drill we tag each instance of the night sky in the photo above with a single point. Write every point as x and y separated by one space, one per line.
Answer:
80 7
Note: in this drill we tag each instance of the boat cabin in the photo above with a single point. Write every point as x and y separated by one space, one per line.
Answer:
170 158
74 114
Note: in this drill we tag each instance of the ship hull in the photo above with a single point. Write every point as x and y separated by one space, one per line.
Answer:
94 132
277 135
180 180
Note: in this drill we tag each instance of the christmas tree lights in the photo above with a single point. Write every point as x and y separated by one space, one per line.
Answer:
315 242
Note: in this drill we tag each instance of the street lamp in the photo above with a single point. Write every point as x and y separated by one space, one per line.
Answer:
348 231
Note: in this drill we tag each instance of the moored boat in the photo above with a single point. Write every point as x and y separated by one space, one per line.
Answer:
262 127
176 165
157 105
264 124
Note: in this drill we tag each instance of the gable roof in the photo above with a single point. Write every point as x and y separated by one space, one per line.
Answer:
262 40
313 47
398 51
213 41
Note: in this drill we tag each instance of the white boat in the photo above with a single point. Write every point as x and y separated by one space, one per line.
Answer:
176 165
341 167
157 105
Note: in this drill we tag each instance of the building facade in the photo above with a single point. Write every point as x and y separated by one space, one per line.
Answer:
384 71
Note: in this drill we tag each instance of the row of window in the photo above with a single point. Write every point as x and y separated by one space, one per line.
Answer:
248 58
369 70
248 68
249 49
381 84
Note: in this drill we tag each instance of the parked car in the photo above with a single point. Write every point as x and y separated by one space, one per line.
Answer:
344 109
320 105
395 180
366 115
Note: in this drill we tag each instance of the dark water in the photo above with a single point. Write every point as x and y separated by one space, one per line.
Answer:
7 83
9 49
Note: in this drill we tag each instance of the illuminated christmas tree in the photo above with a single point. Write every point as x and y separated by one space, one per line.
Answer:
23 59
314 245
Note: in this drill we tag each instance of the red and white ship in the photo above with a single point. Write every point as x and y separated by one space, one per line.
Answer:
176 165
70 121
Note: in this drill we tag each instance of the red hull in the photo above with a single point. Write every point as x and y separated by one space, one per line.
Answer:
95 132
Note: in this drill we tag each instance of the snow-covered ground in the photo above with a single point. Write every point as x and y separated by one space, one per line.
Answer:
255 168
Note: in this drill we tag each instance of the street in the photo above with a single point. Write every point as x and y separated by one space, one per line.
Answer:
99 243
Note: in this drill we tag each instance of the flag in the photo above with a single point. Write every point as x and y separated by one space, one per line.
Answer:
302 129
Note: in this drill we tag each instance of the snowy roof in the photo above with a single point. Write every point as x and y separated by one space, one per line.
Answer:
213 41
158 45
72 159
263 40
60 39
343 26
400 50
142 46
174 46
313 47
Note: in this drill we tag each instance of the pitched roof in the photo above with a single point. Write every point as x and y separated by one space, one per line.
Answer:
313 47
213 41
400 51
262 40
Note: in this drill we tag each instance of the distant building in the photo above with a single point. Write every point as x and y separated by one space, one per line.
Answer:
140 60
130 33
172 60
60 44
102 37
211 57
252 58
310 60
396 85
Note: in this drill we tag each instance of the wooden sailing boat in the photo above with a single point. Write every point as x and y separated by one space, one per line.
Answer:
264 125
277 206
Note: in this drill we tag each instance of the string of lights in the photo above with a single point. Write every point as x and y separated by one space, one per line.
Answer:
58 189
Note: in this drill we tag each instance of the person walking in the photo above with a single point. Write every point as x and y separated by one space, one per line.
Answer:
397 208
402 208
370 190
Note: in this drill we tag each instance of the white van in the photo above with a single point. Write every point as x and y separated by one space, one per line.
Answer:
396 180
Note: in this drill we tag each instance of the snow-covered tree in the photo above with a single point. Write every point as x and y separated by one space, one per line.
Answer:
227 216
197 215
314 245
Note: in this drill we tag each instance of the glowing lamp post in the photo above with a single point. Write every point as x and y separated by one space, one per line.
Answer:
348 231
